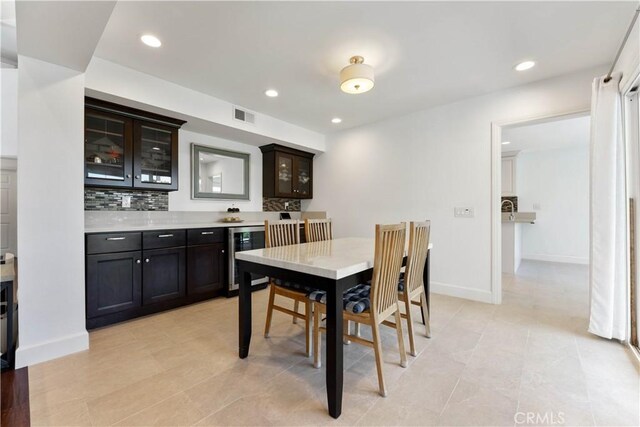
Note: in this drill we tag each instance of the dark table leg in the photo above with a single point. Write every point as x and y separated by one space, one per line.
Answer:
426 280
334 350
244 303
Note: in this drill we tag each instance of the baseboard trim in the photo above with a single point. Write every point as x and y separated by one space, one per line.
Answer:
460 292
557 258
30 355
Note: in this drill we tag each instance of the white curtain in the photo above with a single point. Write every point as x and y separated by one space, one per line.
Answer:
608 274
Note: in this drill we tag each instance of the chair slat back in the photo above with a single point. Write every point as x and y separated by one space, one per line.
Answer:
417 256
281 233
316 230
389 251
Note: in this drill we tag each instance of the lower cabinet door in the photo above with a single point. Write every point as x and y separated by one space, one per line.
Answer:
205 266
163 275
113 283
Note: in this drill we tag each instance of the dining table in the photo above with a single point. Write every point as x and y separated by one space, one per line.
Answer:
332 266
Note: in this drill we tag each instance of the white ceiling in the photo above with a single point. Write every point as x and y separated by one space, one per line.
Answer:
554 134
424 53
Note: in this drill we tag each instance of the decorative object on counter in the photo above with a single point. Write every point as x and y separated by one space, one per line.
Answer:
233 209
232 219
506 207
278 205
219 174
103 199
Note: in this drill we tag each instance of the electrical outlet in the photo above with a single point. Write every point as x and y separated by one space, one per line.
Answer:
126 201
286 206
460 212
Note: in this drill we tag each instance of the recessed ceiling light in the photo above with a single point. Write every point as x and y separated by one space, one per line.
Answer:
336 120
151 40
506 142
271 93
525 65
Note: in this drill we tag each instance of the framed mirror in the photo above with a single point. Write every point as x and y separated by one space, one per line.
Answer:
219 174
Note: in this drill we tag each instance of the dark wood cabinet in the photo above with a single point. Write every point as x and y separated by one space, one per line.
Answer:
205 267
286 173
163 275
113 283
206 260
130 148
133 274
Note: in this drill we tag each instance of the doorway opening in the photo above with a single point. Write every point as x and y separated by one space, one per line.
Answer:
541 202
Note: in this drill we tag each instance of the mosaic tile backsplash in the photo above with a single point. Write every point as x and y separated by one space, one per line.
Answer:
507 207
277 205
99 199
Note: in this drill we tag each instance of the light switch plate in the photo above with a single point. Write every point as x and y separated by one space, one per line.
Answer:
126 201
462 212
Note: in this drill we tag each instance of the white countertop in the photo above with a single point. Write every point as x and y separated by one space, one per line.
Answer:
333 259
120 221
146 226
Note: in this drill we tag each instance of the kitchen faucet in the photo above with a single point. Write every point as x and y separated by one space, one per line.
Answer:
511 216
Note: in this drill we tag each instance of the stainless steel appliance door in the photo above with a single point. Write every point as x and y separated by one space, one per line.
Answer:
244 239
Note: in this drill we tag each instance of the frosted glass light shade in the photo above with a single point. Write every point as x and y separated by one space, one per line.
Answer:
357 77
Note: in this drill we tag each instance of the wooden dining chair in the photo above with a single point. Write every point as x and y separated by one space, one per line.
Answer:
372 304
411 287
283 233
316 230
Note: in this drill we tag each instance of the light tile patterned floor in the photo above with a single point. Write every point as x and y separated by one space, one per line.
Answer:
485 365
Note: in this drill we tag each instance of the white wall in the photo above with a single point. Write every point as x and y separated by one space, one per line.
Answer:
181 200
50 211
557 180
9 114
424 164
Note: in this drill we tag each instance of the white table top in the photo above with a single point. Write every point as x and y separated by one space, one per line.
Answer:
333 259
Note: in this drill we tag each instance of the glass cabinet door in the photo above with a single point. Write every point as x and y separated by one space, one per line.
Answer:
284 170
303 177
107 147
156 155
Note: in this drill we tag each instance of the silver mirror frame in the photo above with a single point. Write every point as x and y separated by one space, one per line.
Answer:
195 173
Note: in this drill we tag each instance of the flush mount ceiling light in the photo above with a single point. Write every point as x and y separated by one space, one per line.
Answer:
525 65
336 120
271 93
357 77
506 142
151 40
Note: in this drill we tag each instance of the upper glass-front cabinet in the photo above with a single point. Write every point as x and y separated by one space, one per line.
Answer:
123 149
286 172
107 139
155 148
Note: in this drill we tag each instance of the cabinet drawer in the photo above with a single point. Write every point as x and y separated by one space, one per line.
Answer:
113 242
163 239
203 236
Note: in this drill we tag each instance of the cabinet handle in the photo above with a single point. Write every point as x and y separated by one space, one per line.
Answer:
116 238
128 175
146 260
204 233
222 251
137 176
165 235
137 261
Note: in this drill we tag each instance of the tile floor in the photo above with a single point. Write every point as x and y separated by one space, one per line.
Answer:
527 361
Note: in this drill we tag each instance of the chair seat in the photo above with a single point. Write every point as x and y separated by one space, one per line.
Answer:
355 300
401 283
294 286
